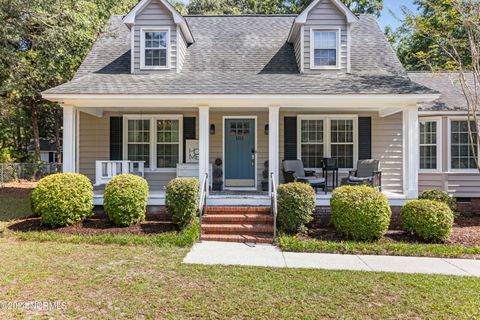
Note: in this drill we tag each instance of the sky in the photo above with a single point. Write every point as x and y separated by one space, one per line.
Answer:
387 18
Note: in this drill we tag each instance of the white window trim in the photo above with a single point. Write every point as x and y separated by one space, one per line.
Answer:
153 138
312 48
327 135
142 48
449 146
438 120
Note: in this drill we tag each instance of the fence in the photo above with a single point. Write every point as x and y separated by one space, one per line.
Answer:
27 171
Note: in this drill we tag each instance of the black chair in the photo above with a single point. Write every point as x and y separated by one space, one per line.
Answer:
294 171
368 173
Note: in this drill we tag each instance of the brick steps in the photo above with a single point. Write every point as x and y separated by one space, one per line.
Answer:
238 224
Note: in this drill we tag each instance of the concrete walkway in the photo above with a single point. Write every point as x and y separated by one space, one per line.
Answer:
223 253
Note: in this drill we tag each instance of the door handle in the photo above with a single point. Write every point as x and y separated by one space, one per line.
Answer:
253 157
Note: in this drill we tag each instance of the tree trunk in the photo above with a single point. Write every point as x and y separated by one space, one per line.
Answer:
58 145
35 131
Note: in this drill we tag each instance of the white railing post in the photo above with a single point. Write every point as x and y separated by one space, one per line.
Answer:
69 139
273 141
203 144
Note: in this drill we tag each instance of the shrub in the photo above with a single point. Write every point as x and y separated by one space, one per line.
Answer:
63 199
181 200
296 202
427 219
125 199
360 212
440 196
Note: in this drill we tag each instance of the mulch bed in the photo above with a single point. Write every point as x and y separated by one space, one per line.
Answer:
95 226
466 231
17 189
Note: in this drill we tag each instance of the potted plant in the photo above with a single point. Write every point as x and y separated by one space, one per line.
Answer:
265 176
217 183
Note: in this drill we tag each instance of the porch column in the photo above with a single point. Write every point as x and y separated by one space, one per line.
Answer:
203 144
273 143
69 139
411 151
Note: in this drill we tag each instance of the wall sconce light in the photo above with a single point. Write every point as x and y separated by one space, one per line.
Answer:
266 129
212 129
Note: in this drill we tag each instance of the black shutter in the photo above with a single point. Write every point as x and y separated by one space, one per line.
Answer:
364 138
189 132
116 138
290 138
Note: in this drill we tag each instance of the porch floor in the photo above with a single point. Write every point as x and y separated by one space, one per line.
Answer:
244 198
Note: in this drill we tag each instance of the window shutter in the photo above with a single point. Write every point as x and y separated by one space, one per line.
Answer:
364 138
189 132
116 138
290 138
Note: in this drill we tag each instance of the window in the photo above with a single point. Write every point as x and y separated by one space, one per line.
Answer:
168 143
138 148
428 145
154 48
312 143
155 139
462 153
342 142
327 136
325 48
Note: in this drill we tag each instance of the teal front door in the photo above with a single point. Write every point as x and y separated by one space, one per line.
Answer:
240 153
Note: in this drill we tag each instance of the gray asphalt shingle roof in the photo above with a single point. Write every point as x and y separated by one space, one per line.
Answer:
450 89
242 55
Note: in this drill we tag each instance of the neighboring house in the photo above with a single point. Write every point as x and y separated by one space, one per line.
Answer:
246 89
447 159
48 150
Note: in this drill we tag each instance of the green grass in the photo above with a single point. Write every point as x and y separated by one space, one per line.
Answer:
294 244
185 238
149 282
13 207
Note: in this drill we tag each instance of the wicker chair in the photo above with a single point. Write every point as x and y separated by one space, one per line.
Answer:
368 173
293 171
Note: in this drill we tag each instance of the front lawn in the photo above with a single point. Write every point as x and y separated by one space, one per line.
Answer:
15 200
111 282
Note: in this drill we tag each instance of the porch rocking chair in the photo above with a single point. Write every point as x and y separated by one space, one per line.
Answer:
293 171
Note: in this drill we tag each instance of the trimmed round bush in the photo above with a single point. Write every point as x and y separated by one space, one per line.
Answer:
63 199
125 199
296 202
427 219
181 200
360 212
440 196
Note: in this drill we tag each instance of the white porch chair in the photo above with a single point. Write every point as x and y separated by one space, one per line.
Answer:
107 170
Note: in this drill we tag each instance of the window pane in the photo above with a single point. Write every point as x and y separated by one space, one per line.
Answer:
167 155
461 150
428 145
312 155
325 57
139 152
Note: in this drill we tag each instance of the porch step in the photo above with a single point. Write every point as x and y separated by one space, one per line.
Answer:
238 224
244 228
247 238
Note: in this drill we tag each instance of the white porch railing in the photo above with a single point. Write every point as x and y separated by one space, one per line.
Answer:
106 170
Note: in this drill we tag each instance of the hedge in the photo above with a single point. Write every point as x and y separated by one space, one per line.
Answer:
296 203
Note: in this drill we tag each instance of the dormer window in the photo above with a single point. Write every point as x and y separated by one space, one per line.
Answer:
324 53
154 51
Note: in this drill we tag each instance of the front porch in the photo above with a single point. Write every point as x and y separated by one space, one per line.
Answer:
245 198
240 146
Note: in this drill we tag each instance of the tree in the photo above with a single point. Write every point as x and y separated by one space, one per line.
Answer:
43 43
446 36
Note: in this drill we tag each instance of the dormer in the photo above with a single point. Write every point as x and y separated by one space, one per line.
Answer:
321 37
159 37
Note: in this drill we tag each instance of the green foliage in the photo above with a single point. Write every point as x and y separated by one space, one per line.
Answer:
63 199
440 196
125 199
296 202
181 200
427 219
360 212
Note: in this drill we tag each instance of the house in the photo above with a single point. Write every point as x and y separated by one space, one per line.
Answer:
48 150
244 89
447 159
